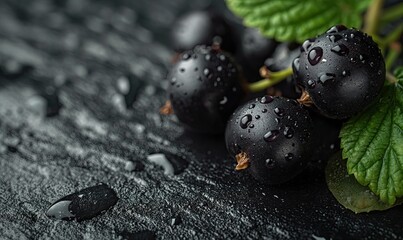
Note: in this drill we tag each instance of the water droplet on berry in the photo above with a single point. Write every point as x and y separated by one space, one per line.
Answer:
251 126
270 163
289 156
306 45
279 112
315 55
182 70
371 64
311 83
208 57
245 121
222 57
288 132
362 58
266 99
323 77
334 38
340 49
185 56
295 64
252 106
336 29
264 111
207 72
257 116
219 68
345 73
271 135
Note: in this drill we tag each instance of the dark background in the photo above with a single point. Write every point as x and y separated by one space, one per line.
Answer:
82 48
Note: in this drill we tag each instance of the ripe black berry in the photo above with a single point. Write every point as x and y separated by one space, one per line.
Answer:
205 89
201 28
270 136
255 49
342 70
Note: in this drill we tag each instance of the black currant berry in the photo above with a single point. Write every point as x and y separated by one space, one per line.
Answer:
255 49
201 28
271 137
281 59
342 70
205 89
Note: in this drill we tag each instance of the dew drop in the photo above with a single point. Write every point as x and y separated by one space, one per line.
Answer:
307 44
245 121
270 163
340 49
315 55
257 116
296 64
279 112
336 29
324 77
288 132
266 99
207 72
311 83
219 68
208 57
186 56
345 73
271 135
251 126
289 156
252 106
334 38
264 111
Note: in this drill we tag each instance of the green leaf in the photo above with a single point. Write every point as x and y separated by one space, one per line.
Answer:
348 192
372 143
298 20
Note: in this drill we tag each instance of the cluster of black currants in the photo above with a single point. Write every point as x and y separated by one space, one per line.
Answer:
335 76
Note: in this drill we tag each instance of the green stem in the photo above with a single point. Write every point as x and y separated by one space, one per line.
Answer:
394 35
393 13
372 17
275 77
393 54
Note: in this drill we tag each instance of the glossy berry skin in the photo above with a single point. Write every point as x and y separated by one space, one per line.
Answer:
342 70
201 28
255 49
275 134
205 88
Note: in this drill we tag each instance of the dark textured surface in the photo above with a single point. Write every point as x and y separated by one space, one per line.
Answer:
92 45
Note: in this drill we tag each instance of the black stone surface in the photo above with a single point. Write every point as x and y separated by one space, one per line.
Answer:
83 47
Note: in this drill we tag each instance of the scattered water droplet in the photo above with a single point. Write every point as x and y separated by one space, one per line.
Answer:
208 57
279 112
224 100
307 44
311 83
323 77
345 73
334 38
219 68
271 135
296 64
222 57
266 99
340 49
337 28
207 72
245 121
289 156
315 55
270 163
257 116
288 132
252 106
84 204
264 110
185 56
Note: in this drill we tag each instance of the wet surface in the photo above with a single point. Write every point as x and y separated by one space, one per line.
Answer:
93 52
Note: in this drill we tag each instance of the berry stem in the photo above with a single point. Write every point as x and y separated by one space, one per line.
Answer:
394 35
271 79
393 13
394 52
372 17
